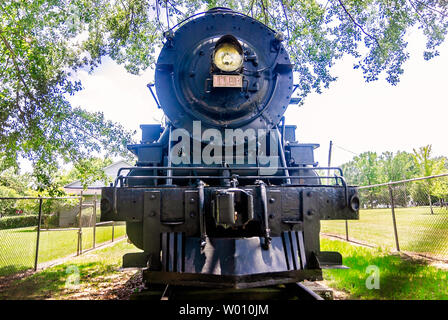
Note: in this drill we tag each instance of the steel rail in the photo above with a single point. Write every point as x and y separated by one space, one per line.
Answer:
173 292
302 292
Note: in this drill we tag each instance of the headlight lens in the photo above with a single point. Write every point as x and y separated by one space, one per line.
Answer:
227 57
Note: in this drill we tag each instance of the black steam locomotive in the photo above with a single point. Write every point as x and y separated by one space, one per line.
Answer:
224 195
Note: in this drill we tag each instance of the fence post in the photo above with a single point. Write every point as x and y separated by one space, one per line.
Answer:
79 251
94 221
392 205
113 229
39 220
346 230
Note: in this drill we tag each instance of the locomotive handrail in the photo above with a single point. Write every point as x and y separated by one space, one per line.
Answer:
150 85
225 177
343 181
282 155
229 168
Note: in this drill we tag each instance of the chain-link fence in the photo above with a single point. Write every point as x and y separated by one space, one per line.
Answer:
409 215
40 230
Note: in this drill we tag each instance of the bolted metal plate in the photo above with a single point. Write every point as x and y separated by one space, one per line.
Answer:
152 204
191 203
328 203
227 81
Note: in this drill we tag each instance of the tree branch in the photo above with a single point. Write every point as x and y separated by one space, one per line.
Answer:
416 11
174 7
293 9
266 18
167 15
267 10
358 25
433 9
83 130
286 17
251 8
16 66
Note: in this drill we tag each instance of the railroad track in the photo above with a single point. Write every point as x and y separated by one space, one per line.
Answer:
291 291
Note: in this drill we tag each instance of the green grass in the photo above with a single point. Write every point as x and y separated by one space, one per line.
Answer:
401 279
418 230
98 271
17 246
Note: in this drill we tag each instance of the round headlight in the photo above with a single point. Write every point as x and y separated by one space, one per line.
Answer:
228 55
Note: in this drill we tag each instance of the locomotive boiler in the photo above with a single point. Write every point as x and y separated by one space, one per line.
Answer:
223 195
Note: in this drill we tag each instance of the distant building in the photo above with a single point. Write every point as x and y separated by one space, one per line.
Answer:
95 187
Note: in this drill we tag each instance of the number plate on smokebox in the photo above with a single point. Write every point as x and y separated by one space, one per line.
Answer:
227 81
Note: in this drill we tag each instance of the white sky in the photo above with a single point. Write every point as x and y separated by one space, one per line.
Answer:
356 115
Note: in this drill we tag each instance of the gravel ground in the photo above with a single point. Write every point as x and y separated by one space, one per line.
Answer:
118 286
